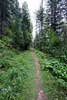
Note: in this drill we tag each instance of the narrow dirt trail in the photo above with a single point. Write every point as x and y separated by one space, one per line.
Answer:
40 94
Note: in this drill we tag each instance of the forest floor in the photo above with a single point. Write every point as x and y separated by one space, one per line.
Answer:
49 83
23 76
39 92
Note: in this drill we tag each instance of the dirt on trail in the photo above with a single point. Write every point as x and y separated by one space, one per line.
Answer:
40 94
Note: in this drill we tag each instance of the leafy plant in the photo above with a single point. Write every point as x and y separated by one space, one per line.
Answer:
58 69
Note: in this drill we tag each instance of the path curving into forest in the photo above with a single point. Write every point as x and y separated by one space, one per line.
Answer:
40 94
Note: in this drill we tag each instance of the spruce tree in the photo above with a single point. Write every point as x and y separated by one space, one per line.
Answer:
26 26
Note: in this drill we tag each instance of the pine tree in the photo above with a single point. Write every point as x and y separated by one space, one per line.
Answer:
41 36
55 15
26 26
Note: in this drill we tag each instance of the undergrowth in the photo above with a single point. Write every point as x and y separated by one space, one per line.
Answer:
16 74
54 76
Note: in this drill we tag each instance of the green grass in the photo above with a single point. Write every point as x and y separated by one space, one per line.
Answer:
16 74
50 86
53 89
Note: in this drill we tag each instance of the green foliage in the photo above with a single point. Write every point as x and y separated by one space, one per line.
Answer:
15 26
18 41
26 26
22 29
51 28
16 74
54 78
50 86
48 41
8 31
58 69
53 38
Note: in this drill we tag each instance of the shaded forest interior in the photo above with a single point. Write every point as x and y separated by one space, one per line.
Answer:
50 46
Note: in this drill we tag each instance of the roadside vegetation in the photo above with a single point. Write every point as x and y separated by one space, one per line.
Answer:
54 76
16 74
51 41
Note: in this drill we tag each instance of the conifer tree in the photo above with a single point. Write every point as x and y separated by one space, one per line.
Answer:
26 25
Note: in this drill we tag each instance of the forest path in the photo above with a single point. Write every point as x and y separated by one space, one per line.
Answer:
39 92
